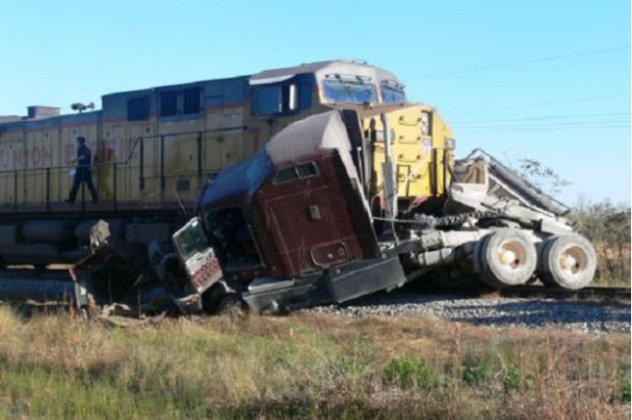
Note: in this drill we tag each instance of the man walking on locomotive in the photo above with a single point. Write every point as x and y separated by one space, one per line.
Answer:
83 173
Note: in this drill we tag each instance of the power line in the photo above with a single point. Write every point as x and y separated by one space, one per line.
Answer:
554 124
544 128
477 69
523 71
540 104
543 117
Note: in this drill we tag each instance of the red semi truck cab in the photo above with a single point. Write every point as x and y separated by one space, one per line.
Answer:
294 217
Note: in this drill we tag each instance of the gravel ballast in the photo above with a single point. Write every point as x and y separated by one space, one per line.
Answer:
584 316
590 317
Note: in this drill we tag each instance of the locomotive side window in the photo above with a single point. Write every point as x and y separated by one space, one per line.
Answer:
304 95
281 98
169 103
392 94
138 108
191 101
266 100
288 98
181 102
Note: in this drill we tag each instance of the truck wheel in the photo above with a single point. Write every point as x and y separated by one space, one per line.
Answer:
232 305
567 261
506 257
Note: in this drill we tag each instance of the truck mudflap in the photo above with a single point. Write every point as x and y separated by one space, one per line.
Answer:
336 285
364 277
271 295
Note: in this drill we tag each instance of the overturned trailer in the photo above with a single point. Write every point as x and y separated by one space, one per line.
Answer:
303 223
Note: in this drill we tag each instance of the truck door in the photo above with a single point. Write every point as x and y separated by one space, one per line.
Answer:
197 255
309 217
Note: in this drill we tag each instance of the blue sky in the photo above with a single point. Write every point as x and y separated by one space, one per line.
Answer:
548 80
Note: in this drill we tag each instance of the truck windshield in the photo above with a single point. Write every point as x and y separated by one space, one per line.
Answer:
192 239
392 94
346 91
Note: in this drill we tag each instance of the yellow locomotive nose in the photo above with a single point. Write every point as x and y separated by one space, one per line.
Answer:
423 151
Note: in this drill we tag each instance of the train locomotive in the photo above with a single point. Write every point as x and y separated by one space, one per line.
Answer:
154 149
310 184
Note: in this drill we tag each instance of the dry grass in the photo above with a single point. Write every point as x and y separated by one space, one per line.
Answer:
307 366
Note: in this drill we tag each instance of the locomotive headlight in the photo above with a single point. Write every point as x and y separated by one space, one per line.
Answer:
427 145
425 123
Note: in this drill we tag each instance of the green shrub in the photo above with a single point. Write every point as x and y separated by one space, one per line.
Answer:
477 375
411 372
607 226
625 391
513 379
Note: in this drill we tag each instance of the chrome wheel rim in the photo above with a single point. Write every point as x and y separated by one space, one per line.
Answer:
573 260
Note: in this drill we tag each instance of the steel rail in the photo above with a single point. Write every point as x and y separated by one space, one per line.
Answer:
587 293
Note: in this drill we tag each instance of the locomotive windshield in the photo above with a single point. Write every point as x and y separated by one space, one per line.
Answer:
393 94
349 91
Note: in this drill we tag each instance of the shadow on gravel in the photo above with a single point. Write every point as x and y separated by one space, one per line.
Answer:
539 313
396 299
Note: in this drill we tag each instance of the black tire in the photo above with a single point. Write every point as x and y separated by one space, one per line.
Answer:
477 264
506 257
232 305
211 299
545 279
567 261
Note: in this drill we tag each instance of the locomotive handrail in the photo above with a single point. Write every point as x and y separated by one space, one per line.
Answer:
46 170
210 130
129 155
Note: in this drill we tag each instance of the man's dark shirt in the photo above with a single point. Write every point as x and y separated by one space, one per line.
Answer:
84 155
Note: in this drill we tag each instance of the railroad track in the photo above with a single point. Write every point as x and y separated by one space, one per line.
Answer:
32 274
36 285
594 293
587 293
48 283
